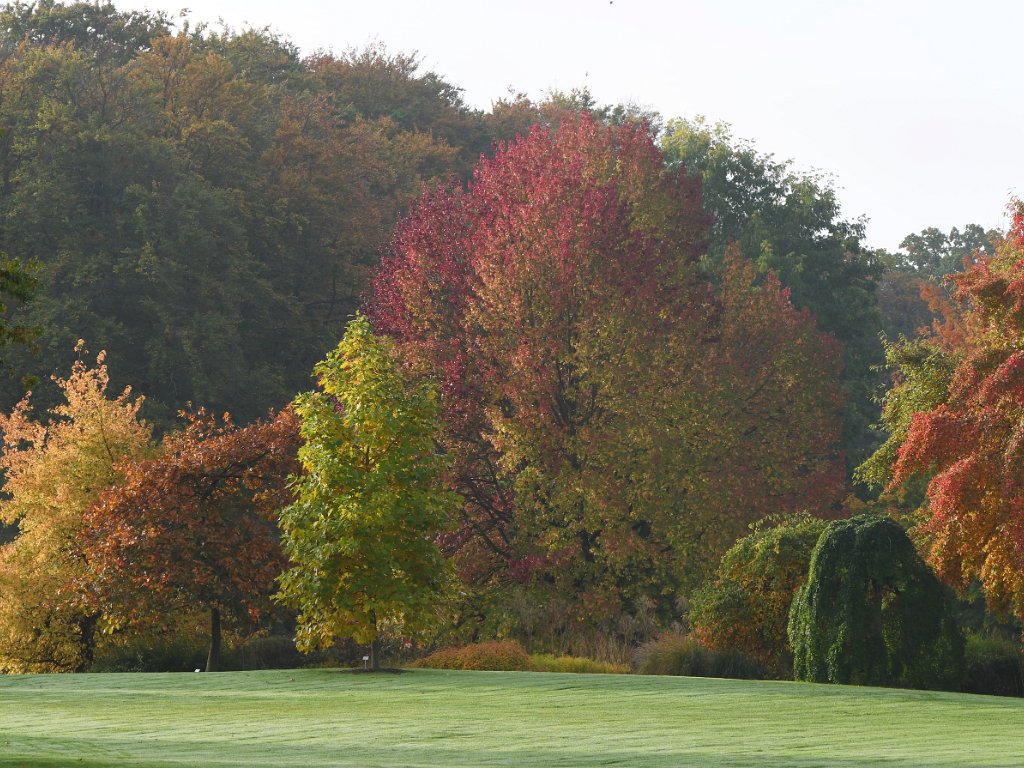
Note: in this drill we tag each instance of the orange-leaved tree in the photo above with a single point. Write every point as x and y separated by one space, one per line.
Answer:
969 442
53 471
195 529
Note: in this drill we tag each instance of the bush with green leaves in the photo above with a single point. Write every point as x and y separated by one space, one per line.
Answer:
746 608
873 613
995 665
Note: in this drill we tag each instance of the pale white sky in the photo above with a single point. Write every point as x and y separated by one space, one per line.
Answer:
914 106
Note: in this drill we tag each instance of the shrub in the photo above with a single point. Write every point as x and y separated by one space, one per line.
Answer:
746 609
994 665
873 613
497 656
675 654
175 653
548 662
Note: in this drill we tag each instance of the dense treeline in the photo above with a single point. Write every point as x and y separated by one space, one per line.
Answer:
601 348
205 205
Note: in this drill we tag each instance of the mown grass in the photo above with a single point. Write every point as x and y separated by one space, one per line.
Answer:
442 718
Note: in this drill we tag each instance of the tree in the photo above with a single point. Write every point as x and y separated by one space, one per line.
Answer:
873 613
375 83
933 253
614 421
53 472
205 206
18 284
959 430
361 535
790 223
747 606
194 530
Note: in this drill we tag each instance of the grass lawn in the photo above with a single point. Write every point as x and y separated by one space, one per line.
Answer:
439 718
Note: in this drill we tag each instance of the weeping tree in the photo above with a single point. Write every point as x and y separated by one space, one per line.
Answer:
873 613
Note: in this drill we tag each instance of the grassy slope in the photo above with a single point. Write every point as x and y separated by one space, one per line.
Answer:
437 718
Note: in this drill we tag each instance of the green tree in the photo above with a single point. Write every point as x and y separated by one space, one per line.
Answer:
873 613
370 500
790 223
747 607
935 254
18 284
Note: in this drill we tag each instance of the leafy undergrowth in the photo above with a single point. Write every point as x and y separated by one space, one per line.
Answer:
546 662
509 656
494 656
451 718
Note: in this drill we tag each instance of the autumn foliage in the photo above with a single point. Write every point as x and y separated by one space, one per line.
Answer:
54 468
970 444
195 529
615 417
746 608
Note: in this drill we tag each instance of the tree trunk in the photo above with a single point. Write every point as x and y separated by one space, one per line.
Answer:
86 641
877 656
213 660
374 645
375 654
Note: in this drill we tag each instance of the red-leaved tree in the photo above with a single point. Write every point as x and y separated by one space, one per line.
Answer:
971 444
584 362
195 530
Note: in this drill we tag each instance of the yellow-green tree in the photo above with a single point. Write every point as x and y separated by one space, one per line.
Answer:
370 500
54 469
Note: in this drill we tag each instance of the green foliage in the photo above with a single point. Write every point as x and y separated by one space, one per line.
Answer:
746 608
496 656
994 665
873 613
19 283
153 653
202 205
370 500
183 651
933 253
791 223
925 369
684 655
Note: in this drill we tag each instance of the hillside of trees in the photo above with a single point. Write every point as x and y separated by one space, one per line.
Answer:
600 350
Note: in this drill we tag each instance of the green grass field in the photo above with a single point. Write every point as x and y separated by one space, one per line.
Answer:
439 718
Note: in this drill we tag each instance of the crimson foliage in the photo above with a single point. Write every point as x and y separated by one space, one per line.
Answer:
615 417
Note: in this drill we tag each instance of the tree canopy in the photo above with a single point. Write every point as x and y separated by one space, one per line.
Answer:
954 421
371 502
614 420
54 469
193 530
873 613
204 205
790 223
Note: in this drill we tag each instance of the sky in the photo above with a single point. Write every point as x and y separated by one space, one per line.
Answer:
911 106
